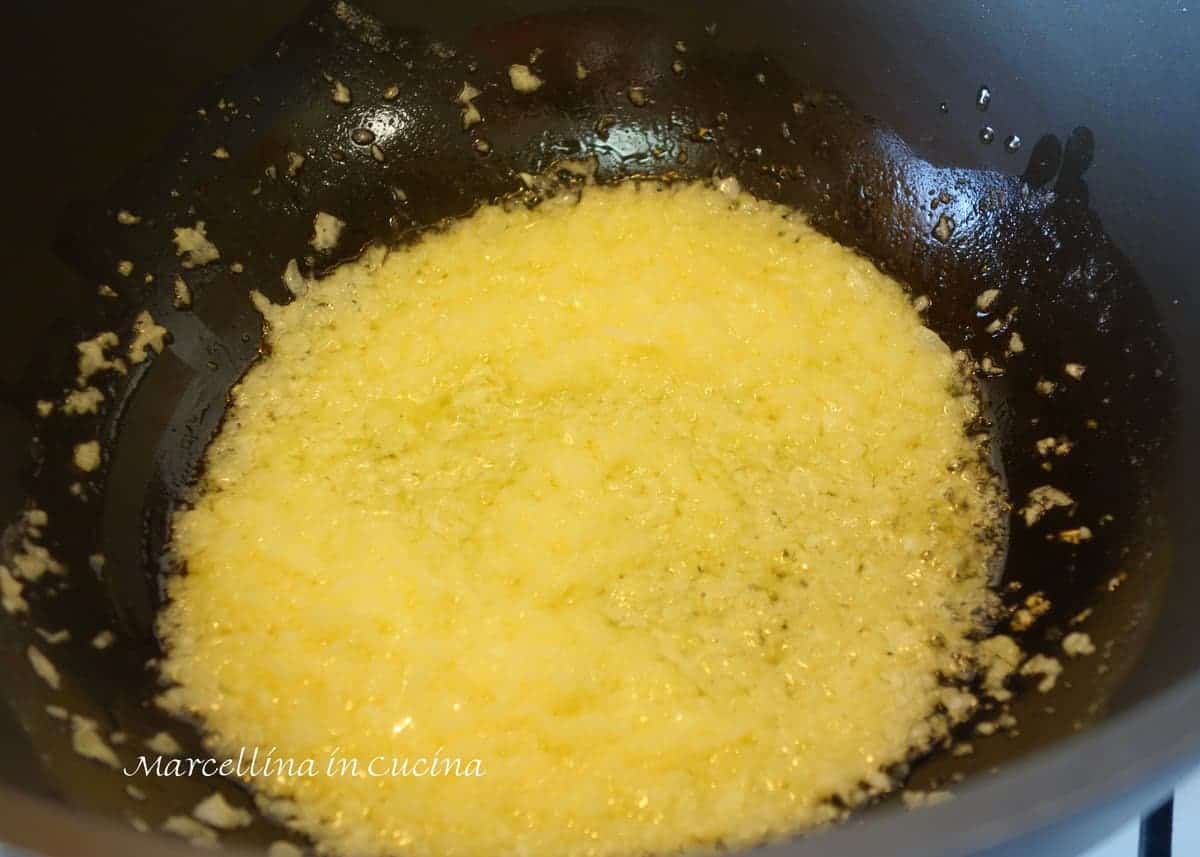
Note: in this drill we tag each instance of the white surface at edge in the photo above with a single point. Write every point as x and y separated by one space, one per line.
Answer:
1186 839
1124 843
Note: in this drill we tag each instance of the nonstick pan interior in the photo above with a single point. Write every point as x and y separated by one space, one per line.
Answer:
948 233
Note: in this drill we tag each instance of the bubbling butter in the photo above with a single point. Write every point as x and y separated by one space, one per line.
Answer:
657 502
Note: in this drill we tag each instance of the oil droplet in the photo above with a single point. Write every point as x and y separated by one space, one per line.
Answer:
987 134
984 98
1012 143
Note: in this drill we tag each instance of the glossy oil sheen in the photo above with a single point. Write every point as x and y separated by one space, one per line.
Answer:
1034 236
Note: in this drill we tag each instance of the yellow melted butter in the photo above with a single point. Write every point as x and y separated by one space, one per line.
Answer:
658 504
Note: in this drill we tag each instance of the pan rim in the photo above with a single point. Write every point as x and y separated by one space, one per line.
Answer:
1105 772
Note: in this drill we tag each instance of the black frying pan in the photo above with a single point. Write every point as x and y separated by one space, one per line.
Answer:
1021 221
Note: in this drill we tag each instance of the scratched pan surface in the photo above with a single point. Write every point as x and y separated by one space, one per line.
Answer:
790 133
